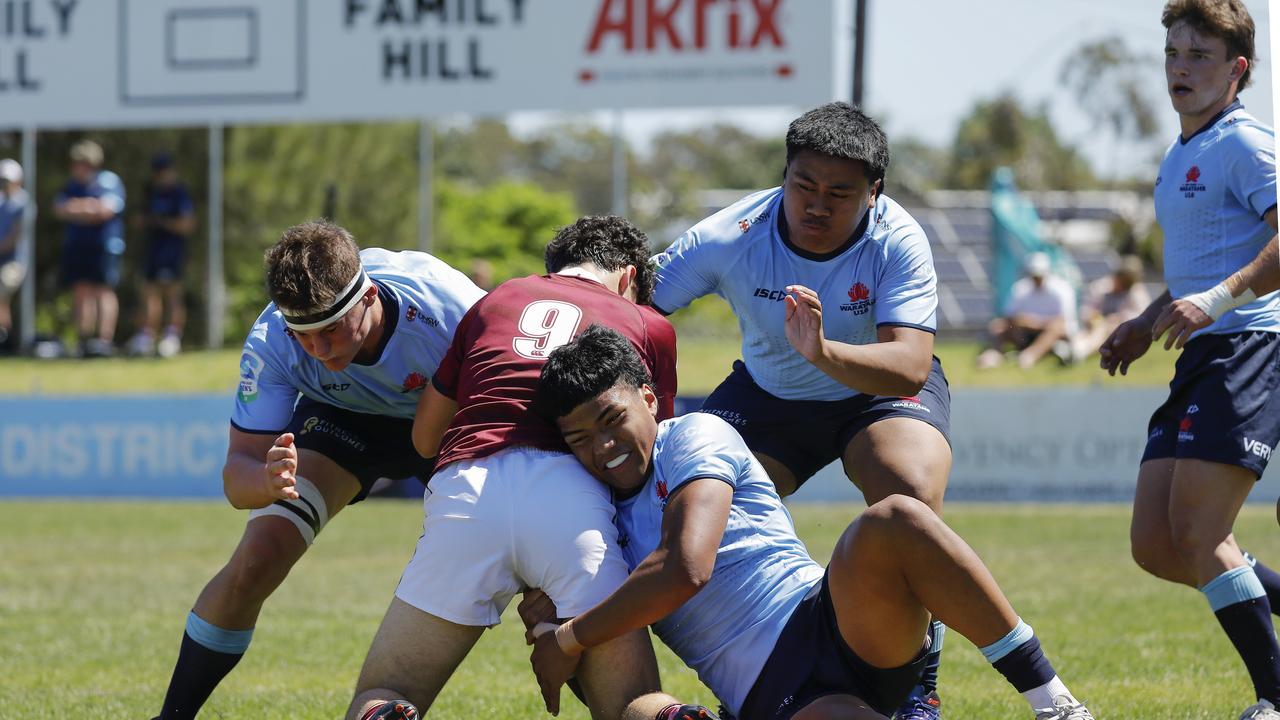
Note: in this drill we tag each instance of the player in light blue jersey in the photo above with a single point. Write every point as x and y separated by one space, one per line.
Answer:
329 382
718 571
1210 441
836 296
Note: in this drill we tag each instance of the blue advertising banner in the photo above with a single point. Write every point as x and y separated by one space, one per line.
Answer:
140 446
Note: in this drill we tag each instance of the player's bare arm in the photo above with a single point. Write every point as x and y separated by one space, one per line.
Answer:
896 364
1131 339
434 413
692 527
1186 315
259 469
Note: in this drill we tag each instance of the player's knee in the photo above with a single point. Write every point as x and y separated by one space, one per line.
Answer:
260 563
1190 539
1148 555
897 516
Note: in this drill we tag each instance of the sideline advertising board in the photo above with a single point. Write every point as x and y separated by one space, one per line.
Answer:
136 63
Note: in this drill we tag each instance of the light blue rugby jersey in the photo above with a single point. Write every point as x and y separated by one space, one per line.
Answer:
1211 194
762 570
886 277
425 299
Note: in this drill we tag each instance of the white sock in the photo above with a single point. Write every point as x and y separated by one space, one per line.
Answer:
1042 697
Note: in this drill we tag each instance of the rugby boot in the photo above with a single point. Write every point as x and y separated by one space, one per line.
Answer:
391 710
921 707
1262 711
1066 707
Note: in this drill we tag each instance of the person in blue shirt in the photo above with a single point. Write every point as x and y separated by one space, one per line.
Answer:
13 266
330 377
92 205
169 218
1215 199
835 293
718 571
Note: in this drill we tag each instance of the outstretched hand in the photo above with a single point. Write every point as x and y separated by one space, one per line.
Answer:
1181 318
804 321
282 463
1127 343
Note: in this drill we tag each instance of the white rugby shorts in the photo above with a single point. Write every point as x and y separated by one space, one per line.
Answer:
520 518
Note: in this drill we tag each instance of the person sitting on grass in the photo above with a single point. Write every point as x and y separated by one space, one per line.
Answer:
718 571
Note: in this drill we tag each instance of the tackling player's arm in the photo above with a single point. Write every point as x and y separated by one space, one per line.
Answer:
1184 316
259 469
897 363
434 413
693 524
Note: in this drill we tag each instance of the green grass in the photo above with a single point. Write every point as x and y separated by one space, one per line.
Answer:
93 596
703 364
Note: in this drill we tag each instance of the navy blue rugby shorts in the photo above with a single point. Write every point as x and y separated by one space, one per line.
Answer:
808 435
811 660
1224 402
367 446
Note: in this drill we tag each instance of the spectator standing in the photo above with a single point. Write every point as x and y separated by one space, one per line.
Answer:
92 204
1041 312
13 267
169 219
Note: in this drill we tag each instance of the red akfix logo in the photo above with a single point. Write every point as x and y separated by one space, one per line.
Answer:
1185 425
1193 174
686 24
858 292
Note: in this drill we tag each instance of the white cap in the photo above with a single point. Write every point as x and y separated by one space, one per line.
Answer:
1037 264
10 170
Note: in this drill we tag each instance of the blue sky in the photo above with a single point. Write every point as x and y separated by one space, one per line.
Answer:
923 77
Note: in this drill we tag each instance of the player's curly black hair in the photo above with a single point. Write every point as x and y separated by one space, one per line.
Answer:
574 373
841 130
608 242
310 265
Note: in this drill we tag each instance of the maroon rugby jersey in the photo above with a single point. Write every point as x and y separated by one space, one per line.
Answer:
491 370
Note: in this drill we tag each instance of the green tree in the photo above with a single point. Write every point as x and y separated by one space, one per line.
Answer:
1001 132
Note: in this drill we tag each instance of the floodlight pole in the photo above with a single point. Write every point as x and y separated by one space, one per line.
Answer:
426 168
216 300
27 245
859 48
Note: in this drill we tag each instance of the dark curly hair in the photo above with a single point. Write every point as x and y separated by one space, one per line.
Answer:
574 373
610 243
310 265
841 130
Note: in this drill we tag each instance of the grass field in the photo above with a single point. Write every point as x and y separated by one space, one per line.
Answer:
703 364
93 598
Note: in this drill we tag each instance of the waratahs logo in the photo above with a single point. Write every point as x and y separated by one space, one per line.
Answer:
1184 430
661 488
414 381
1192 185
860 301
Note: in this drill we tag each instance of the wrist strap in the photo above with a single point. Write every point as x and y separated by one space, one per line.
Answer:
567 641
1217 300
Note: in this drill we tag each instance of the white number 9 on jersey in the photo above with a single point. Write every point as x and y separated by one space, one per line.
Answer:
545 325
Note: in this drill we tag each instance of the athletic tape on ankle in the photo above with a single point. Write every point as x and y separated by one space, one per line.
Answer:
231 642
308 513
937 634
1021 633
1233 586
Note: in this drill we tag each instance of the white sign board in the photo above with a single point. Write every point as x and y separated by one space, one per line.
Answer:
131 63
